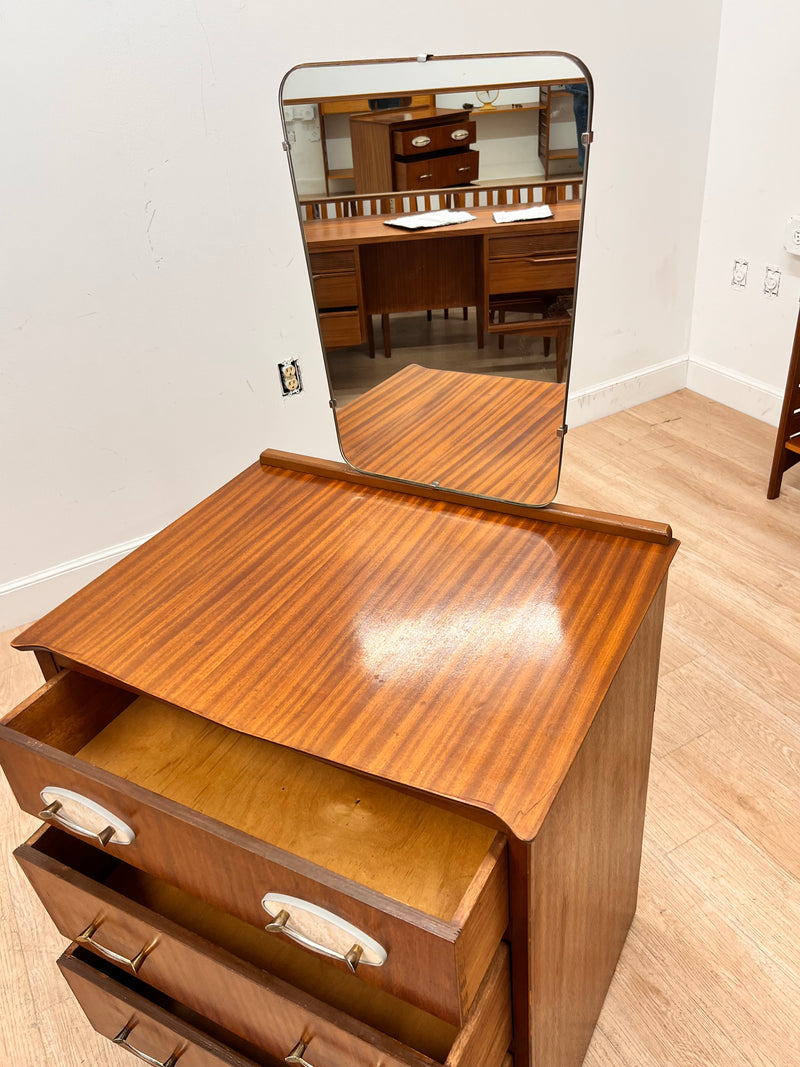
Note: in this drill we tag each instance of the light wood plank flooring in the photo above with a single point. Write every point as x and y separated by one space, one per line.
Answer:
710 974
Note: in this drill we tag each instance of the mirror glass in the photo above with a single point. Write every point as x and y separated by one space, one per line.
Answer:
441 202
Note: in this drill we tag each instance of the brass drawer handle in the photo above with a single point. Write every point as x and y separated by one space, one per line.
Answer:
63 808
87 938
122 1039
322 931
296 1055
279 926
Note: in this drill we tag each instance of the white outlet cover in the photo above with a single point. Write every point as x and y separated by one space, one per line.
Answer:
791 235
772 281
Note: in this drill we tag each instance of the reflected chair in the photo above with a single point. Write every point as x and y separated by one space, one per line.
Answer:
554 321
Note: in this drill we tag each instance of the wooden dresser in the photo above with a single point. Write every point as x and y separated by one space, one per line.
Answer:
337 773
417 148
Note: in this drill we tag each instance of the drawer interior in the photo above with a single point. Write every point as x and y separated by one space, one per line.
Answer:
346 992
414 852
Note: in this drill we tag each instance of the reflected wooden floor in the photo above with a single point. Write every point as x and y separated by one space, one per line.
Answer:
710 974
442 344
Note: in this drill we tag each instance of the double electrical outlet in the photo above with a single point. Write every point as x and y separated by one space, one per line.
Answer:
772 277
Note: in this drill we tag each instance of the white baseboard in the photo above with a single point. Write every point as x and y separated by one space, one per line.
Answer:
735 390
25 599
587 405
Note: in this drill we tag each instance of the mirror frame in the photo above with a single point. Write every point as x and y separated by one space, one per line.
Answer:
436 88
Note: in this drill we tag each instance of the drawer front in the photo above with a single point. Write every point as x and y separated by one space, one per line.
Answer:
439 172
341 329
151 1025
434 138
434 964
533 274
332 262
151 1032
336 290
249 1002
533 244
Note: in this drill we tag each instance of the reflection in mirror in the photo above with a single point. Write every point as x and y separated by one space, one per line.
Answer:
441 201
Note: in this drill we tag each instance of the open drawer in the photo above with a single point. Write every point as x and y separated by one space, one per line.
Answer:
410 896
162 1030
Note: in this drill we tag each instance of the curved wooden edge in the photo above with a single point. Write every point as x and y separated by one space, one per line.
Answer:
562 514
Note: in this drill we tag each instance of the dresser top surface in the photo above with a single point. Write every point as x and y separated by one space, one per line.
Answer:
445 648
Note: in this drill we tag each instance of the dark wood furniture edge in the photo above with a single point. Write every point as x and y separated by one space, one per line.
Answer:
786 454
562 514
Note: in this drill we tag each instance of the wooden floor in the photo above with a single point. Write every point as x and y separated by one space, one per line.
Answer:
710 974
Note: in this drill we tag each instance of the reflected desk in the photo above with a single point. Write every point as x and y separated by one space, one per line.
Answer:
474 433
362 267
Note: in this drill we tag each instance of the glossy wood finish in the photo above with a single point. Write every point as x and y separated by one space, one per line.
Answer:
787 441
402 620
149 767
559 514
506 428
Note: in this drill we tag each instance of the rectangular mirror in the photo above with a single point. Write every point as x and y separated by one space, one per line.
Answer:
441 205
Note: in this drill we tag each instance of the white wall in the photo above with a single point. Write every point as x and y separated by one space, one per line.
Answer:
153 273
741 339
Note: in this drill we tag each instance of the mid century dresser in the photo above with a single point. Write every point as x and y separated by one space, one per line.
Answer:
416 148
338 772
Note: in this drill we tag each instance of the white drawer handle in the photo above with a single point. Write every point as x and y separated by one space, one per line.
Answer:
421 141
321 931
135 962
296 1055
122 1039
459 135
422 177
65 808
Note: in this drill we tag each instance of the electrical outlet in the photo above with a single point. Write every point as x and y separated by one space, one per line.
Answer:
739 278
772 281
791 235
289 372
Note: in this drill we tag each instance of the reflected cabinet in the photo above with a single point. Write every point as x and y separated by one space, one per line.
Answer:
338 772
